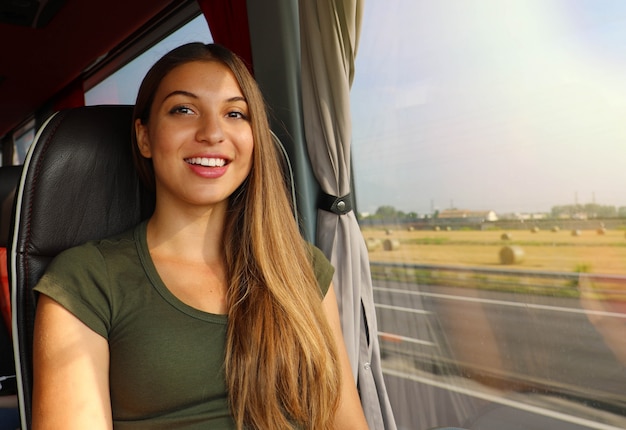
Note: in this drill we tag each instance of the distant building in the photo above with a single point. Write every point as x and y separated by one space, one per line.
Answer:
529 216
463 215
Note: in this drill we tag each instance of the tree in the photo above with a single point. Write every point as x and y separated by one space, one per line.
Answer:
386 212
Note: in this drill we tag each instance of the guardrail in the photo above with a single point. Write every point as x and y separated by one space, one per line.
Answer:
566 284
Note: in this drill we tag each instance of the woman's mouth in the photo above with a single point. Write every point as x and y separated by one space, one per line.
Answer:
206 161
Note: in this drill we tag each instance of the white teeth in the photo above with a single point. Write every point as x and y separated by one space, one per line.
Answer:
207 162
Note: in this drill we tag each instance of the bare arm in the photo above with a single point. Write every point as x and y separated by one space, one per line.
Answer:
71 372
350 413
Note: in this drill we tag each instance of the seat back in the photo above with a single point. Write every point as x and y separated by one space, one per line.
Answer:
78 184
9 178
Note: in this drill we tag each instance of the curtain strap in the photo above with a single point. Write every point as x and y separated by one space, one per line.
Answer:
337 205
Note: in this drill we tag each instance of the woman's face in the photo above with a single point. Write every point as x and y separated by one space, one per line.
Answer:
199 135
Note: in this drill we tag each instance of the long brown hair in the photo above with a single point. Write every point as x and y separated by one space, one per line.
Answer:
281 362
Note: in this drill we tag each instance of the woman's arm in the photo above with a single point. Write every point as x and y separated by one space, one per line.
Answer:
350 413
71 372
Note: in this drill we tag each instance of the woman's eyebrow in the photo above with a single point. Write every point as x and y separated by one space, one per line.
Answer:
180 93
237 99
194 96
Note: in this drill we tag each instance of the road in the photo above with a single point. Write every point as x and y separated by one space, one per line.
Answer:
462 350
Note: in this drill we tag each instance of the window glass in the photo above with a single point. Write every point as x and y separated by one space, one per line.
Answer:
22 140
488 148
122 86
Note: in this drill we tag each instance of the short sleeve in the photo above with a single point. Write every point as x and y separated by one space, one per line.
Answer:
322 268
77 279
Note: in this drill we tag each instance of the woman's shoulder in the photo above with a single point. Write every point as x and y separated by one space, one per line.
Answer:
83 279
322 267
316 254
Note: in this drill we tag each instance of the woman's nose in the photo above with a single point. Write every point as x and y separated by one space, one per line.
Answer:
210 129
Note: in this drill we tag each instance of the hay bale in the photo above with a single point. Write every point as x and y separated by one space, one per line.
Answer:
534 229
388 231
391 244
411 228
372 244
448 228
511 255
506 236
602 231
576 233
437 228
555 229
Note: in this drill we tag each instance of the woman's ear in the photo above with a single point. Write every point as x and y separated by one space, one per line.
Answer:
143 141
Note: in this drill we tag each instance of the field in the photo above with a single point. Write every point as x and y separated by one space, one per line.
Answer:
543 250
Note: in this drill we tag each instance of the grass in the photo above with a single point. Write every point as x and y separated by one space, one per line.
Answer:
544 250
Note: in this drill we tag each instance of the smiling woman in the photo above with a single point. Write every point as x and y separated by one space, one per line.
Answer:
218 271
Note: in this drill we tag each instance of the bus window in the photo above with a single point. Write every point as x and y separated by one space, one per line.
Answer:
488 140
22 139
121 87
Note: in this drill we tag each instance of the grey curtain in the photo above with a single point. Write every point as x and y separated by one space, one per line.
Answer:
329 32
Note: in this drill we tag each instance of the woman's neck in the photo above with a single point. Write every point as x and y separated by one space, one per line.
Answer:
194 235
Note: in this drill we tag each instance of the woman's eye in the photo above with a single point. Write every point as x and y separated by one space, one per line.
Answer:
236 114
183 110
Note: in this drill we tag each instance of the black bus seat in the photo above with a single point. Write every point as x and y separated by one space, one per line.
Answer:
79 184
9 178
9 417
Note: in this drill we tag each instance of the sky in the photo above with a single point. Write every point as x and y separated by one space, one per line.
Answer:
505 105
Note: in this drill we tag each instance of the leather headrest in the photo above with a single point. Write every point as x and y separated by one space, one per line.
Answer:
81 182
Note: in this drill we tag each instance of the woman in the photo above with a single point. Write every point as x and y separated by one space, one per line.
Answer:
213 313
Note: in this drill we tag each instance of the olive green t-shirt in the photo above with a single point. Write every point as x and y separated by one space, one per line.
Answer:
166 358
